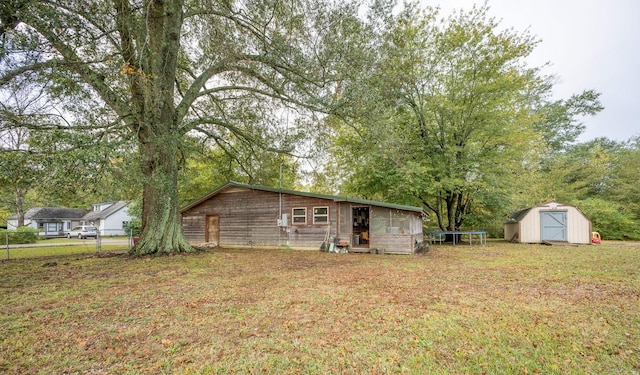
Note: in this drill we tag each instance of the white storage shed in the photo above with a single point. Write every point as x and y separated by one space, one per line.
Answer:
548 222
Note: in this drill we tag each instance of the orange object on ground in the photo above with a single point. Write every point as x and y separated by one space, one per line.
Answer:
595 238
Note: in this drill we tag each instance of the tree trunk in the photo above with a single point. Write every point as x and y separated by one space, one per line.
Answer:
152 85
161 220
19 207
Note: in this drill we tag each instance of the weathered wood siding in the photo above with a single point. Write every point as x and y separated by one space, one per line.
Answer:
394 231
249 218
389 243
193 226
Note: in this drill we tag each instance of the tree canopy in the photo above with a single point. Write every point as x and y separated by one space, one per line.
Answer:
160 72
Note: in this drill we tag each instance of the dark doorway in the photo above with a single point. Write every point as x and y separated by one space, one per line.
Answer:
360 217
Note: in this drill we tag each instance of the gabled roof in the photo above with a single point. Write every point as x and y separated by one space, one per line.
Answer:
335 198
519 215
42 213
101 215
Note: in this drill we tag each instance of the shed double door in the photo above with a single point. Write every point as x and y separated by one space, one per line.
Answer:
553 226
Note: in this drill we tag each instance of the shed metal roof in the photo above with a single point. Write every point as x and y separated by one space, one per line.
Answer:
335 198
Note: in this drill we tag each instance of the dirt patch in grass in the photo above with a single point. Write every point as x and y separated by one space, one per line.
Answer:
498 309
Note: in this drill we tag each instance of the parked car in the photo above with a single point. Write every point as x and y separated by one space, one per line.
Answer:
83 231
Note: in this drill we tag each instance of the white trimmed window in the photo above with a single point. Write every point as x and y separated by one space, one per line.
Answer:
321 215
299 215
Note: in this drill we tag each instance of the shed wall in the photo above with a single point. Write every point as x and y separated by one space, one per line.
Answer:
249 217
394 231
529 229
511 232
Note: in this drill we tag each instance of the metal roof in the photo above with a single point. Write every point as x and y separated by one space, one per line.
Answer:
335 198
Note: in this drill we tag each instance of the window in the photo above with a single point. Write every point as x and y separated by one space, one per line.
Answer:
299 216
320 215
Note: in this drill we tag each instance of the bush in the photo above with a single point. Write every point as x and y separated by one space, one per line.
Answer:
612 221
24 235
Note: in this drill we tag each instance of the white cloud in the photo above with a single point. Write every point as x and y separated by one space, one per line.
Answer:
591 44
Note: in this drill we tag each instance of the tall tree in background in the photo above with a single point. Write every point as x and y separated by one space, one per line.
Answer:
169 68
457 114
42 162
211 167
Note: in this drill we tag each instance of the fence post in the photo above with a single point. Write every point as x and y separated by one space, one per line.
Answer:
7 242
98 240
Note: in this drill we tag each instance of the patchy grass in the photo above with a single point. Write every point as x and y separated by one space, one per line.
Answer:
498 309
88 247
74 240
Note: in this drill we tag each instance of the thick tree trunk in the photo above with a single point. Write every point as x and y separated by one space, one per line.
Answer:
161 221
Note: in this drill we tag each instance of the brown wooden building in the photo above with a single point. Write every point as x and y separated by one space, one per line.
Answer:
239 215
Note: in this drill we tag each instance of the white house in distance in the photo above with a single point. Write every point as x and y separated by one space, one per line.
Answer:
111 218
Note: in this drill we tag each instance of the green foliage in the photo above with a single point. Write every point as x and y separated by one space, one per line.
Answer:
210 167
447 120
242 78
611 220
623 187
4 214
134 227
23 235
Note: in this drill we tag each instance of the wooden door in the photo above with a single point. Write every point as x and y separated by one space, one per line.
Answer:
553 226
213 229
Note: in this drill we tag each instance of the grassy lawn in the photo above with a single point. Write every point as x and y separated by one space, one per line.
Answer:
504 308
56 248
89 247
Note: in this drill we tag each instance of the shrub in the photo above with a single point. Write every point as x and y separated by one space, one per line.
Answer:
612 221
24 235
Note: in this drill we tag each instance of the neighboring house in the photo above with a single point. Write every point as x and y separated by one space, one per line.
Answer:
51 222
548 222
111 218
239 215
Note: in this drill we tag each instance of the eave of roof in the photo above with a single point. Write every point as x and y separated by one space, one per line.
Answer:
517 216
43 213
335 198
117 206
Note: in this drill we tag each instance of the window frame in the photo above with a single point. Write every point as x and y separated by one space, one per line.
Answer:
326 215
294 216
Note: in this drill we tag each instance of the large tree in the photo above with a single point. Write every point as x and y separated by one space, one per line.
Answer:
452 113
169 68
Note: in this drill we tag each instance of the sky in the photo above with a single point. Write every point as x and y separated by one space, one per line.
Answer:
590 44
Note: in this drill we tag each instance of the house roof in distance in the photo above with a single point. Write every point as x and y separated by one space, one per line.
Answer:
99 215
40 213
335 198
